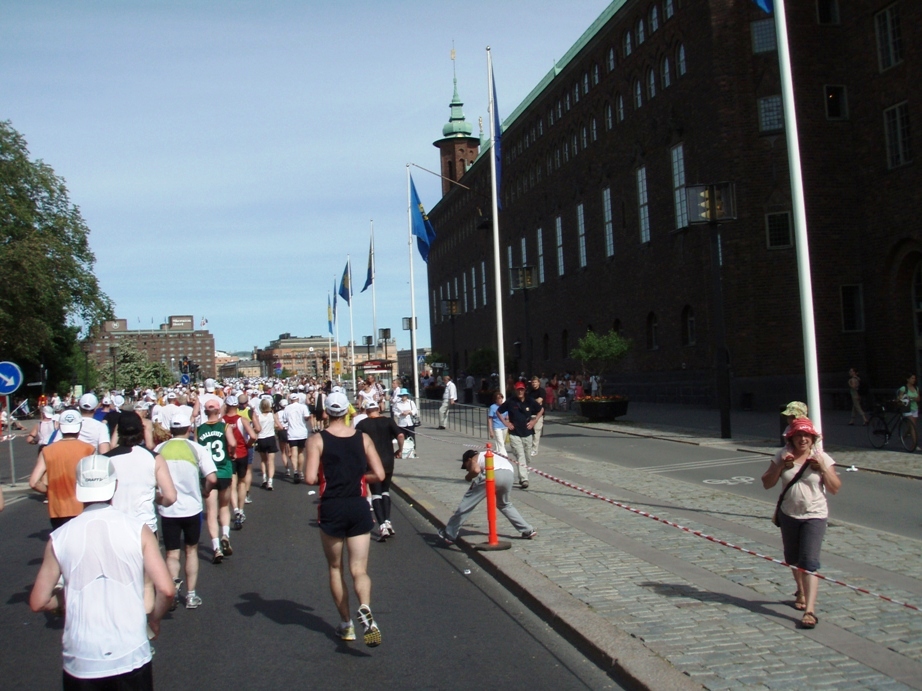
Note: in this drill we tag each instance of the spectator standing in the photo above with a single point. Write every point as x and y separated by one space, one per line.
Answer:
854 390
449 398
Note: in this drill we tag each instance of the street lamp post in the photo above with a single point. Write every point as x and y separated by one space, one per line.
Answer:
384 335
409 324
367 341
450 310
524 278
710 204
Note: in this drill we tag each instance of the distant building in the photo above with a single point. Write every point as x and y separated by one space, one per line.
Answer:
302 355
660 94
168 344
242 369
405 361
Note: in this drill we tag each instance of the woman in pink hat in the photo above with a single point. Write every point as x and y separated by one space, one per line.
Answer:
807 473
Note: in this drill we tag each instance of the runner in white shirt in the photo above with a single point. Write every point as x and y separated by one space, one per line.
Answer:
93 431
296 414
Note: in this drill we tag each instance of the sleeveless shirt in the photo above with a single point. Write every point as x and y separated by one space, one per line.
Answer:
342 466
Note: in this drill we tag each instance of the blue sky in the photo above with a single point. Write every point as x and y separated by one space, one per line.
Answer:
227 156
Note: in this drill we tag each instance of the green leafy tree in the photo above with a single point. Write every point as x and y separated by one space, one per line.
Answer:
49 289
132 369
483 361
599 353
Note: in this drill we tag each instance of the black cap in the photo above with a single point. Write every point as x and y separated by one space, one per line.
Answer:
129 424
468 455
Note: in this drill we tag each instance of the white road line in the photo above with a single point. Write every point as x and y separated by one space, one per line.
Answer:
694 465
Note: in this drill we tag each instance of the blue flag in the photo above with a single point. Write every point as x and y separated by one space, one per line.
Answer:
329 315
497 142
371 265
345 285
765 5
422 228
334 299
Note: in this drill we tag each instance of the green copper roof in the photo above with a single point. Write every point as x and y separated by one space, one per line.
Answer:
457 126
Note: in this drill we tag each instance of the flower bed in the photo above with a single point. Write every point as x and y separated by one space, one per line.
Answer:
602 408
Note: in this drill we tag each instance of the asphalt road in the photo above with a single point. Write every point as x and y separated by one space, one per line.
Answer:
268 620
872 500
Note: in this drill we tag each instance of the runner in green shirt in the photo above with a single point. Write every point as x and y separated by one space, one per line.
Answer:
218 438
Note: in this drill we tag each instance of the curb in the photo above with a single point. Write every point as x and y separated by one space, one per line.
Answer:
618 653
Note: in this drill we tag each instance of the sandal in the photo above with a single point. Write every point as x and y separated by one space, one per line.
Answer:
809 621
800 602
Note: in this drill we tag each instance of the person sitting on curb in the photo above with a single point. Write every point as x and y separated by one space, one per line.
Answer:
475 465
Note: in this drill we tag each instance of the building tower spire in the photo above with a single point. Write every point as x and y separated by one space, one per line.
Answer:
457 147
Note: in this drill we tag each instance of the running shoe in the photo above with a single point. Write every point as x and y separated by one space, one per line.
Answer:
238 524
177 585
524 484
226 548
269 484
193 601
346 631
265 484
248 500
297 479
529 534
372 632
447 540
390 529
383 532
217 557
287 472
242 516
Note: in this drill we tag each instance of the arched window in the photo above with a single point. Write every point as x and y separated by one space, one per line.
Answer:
619 105
585 135
611 59
566 103
668 8
665 72
638 94
651 83
628 47
566 151
608 119
654 19
680 60
585 83
594 129
595 75
652 328
576 93
688 326
564 344
641 34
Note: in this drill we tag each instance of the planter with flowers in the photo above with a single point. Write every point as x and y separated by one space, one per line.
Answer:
599 353
602 408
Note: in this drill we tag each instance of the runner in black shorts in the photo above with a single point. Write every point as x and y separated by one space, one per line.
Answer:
343 460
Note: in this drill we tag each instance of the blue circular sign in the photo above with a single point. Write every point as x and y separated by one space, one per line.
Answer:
10 377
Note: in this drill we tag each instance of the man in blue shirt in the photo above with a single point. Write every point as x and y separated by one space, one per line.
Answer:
522 413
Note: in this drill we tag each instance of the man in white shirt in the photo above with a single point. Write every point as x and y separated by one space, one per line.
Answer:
92 431
296 414
449 398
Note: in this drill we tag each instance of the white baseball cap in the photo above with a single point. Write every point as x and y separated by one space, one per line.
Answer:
88 402
209 385
70 421
180 421
336 404
96 479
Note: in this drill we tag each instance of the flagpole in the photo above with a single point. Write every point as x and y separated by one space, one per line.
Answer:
497 273
330 335
374 298
412 292
351 329
336 322
800 218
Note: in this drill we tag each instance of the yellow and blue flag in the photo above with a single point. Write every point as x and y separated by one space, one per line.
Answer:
422 228
345 285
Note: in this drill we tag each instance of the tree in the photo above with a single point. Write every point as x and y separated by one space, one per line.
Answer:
598 354
49 289
483 361
133 369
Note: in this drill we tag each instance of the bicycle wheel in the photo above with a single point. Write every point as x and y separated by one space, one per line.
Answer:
878 434
908 435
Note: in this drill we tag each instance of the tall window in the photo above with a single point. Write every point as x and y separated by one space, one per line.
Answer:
608 116
652 332
678 186
889 37
509 265
585 83
619 105
771 114
778 234
666 72
688 326
483 282
581 235
643 207
540 238
641 32
668 8
594 129
611 59
608 225
628 46
524 252
654 19
584 133
852 308
638 94
896 125
680 67
596 74
559 228
437 306
474 287
651 83
464 286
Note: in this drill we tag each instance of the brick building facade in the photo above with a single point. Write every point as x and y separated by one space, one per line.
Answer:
660 94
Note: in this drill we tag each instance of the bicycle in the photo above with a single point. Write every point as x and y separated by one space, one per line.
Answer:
888 421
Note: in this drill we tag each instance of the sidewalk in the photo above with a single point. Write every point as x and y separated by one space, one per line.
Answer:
666 609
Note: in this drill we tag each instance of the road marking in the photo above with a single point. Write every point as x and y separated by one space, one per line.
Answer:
737 480
711 463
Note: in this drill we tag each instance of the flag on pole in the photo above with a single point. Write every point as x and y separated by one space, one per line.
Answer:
497 136
422 228
334 299
371 265
329 315
765 5
345 285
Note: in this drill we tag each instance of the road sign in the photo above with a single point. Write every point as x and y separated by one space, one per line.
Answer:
10 377
421 359
184 380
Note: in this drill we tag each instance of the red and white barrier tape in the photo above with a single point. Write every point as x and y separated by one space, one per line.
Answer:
696 533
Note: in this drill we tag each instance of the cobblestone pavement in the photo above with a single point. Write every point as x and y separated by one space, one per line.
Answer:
721 617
